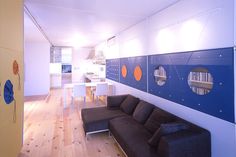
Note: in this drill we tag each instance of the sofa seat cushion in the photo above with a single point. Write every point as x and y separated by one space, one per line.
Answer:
142 111
129 104
132 137
95 119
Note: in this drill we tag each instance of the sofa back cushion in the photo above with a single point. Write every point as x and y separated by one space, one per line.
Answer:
142 111
156 118
114 102
166 129
129 104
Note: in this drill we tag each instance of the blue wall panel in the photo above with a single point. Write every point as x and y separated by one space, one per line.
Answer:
219 102
131 63
113 69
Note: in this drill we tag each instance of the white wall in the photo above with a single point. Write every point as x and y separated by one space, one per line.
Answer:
80 63
187 25
36 60
36 64
234 60
171 30
111 51
134 42
234 22
213 19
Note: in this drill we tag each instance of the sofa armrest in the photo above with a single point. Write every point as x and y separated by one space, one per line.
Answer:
114 102
185 144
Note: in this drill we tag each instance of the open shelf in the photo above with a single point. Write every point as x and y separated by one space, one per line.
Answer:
200 84
200 81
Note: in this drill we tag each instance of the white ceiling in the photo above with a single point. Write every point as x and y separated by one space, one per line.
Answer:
88 22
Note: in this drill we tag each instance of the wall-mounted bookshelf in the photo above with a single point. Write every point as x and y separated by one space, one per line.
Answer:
160 75
200 81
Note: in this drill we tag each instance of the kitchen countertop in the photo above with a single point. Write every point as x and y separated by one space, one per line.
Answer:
93 77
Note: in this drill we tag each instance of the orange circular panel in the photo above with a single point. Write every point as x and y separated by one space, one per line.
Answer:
15 67
124 71
138 73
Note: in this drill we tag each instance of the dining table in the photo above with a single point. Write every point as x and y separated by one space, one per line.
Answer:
68 86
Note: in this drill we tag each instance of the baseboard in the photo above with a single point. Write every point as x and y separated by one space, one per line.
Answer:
36 97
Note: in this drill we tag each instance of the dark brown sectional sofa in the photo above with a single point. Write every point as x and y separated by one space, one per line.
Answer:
144 130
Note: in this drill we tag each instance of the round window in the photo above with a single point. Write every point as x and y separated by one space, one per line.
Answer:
200 81
160 75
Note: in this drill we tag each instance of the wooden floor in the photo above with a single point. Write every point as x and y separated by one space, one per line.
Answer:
51 131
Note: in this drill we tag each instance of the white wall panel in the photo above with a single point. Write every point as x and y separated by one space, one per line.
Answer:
213 16
133 42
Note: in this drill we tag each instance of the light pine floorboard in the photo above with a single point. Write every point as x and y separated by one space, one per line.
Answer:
51 131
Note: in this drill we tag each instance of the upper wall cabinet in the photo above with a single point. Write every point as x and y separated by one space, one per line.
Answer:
60 55
55 54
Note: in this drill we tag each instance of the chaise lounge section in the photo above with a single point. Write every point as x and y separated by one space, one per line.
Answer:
96 119
144 130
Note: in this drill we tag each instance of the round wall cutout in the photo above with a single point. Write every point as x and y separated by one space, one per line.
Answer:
138 73
124 71
160 75
200 81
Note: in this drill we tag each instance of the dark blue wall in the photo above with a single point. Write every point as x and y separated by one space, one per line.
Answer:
131 63
219 102
113 69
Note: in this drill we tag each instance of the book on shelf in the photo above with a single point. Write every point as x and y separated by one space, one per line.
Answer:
200 76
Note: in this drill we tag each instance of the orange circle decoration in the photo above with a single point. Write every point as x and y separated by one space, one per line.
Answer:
16 72
138 73
15 67
124 71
